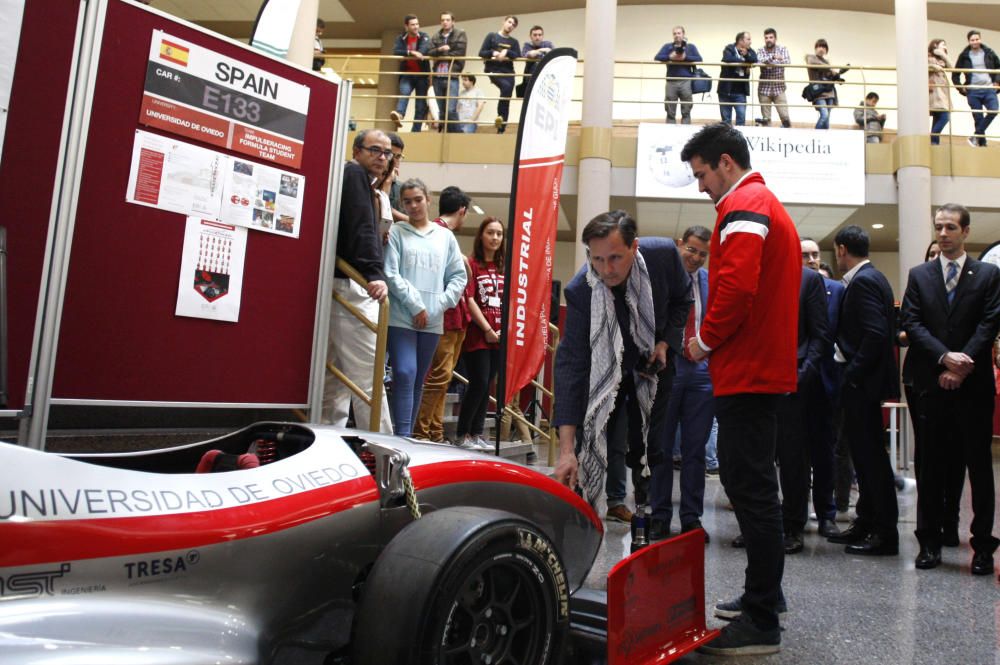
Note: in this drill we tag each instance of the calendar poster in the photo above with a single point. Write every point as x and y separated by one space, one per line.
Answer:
211 281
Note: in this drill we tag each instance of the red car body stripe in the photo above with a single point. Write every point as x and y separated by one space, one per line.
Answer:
36 542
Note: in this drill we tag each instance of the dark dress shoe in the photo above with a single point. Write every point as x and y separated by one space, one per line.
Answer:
982 563
929 557
828 529
738 542
853 534
793 543
691 526
658 529
874 545
949 536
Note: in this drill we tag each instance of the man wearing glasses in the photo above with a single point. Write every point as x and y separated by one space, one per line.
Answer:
351 346
691 406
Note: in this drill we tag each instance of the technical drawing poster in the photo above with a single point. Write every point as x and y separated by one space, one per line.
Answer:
211 281
176 176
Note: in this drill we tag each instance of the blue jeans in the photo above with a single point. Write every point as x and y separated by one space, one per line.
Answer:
712 447
410 83
737 104
983 98
823 106
940 121
446 90
467 127
411 352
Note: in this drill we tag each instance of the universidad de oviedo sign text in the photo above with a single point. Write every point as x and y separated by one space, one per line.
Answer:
199 94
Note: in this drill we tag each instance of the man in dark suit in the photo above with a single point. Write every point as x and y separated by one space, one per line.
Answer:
951 313
794 450
619 406
691 406
865 341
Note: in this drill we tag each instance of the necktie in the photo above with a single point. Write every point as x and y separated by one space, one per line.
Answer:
951 280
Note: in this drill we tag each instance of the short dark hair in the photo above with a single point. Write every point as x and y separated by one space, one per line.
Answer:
699 232
823 265
451 200
821 42
395 140
408 18
359 139
320 23
854 239
957 209
770 31
471 77
969 34
451 14
414 183
513 17
713 141
536 27
872 95
739 35
614 220
927 252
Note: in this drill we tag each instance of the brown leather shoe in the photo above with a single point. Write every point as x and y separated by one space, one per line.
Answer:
619 513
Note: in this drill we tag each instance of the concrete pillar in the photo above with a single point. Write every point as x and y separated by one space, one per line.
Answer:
594 177
300 49
912 150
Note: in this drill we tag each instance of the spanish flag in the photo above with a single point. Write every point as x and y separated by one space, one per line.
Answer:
174 52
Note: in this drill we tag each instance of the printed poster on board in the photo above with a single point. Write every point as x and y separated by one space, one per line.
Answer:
199 94
211 280
262 198
176 176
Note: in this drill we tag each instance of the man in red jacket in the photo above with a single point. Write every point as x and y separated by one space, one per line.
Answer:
749 332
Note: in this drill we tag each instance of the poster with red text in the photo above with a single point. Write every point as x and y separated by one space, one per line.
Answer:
211 280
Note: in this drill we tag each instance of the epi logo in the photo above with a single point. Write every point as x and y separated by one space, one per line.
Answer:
32 585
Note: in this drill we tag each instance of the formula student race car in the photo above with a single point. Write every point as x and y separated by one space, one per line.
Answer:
287 543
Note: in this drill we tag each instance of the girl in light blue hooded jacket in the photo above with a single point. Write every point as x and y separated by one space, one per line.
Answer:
426 275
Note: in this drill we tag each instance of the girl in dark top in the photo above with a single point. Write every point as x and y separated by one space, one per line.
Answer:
484 294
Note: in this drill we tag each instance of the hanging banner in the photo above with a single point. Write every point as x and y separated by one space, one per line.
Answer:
199 94
541 148
211 281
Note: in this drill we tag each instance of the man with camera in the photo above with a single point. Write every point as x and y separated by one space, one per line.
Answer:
612 379
679 56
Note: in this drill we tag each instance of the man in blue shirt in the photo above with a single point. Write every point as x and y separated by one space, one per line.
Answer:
678 56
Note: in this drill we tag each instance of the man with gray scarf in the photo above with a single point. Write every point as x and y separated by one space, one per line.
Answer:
612 373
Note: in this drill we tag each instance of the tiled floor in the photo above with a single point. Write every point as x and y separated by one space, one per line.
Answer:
850 609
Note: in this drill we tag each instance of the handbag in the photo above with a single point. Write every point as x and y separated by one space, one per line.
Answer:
701 82
814 90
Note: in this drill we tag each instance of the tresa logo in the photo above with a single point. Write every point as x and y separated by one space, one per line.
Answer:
32 585
172 565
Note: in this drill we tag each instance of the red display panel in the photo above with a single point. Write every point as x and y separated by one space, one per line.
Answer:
119 337
28 170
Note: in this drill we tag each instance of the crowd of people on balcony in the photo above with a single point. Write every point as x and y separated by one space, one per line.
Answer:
437 63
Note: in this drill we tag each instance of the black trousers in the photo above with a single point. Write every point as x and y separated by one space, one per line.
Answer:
877 509
482 365
956 424
793 463
747 434
955 471
820 433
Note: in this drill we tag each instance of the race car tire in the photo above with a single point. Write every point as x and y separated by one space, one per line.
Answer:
464 585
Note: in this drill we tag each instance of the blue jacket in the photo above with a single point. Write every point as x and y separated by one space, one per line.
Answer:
423 46
683 68
741 70
671 299
829 368
682 364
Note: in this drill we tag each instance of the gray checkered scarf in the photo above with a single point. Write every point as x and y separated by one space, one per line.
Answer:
606 348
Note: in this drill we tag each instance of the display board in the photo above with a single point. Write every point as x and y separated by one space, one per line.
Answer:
120 339
32 143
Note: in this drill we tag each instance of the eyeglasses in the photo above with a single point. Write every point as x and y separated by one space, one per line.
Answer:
376 151
695 252
399 157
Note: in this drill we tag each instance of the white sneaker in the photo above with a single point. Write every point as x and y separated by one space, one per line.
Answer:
465 443
973 142
483 444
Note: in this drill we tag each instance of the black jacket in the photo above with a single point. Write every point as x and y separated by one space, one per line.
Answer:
965 62
423 46
358 240
457 44
969 324
866 336
741 71
815 336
